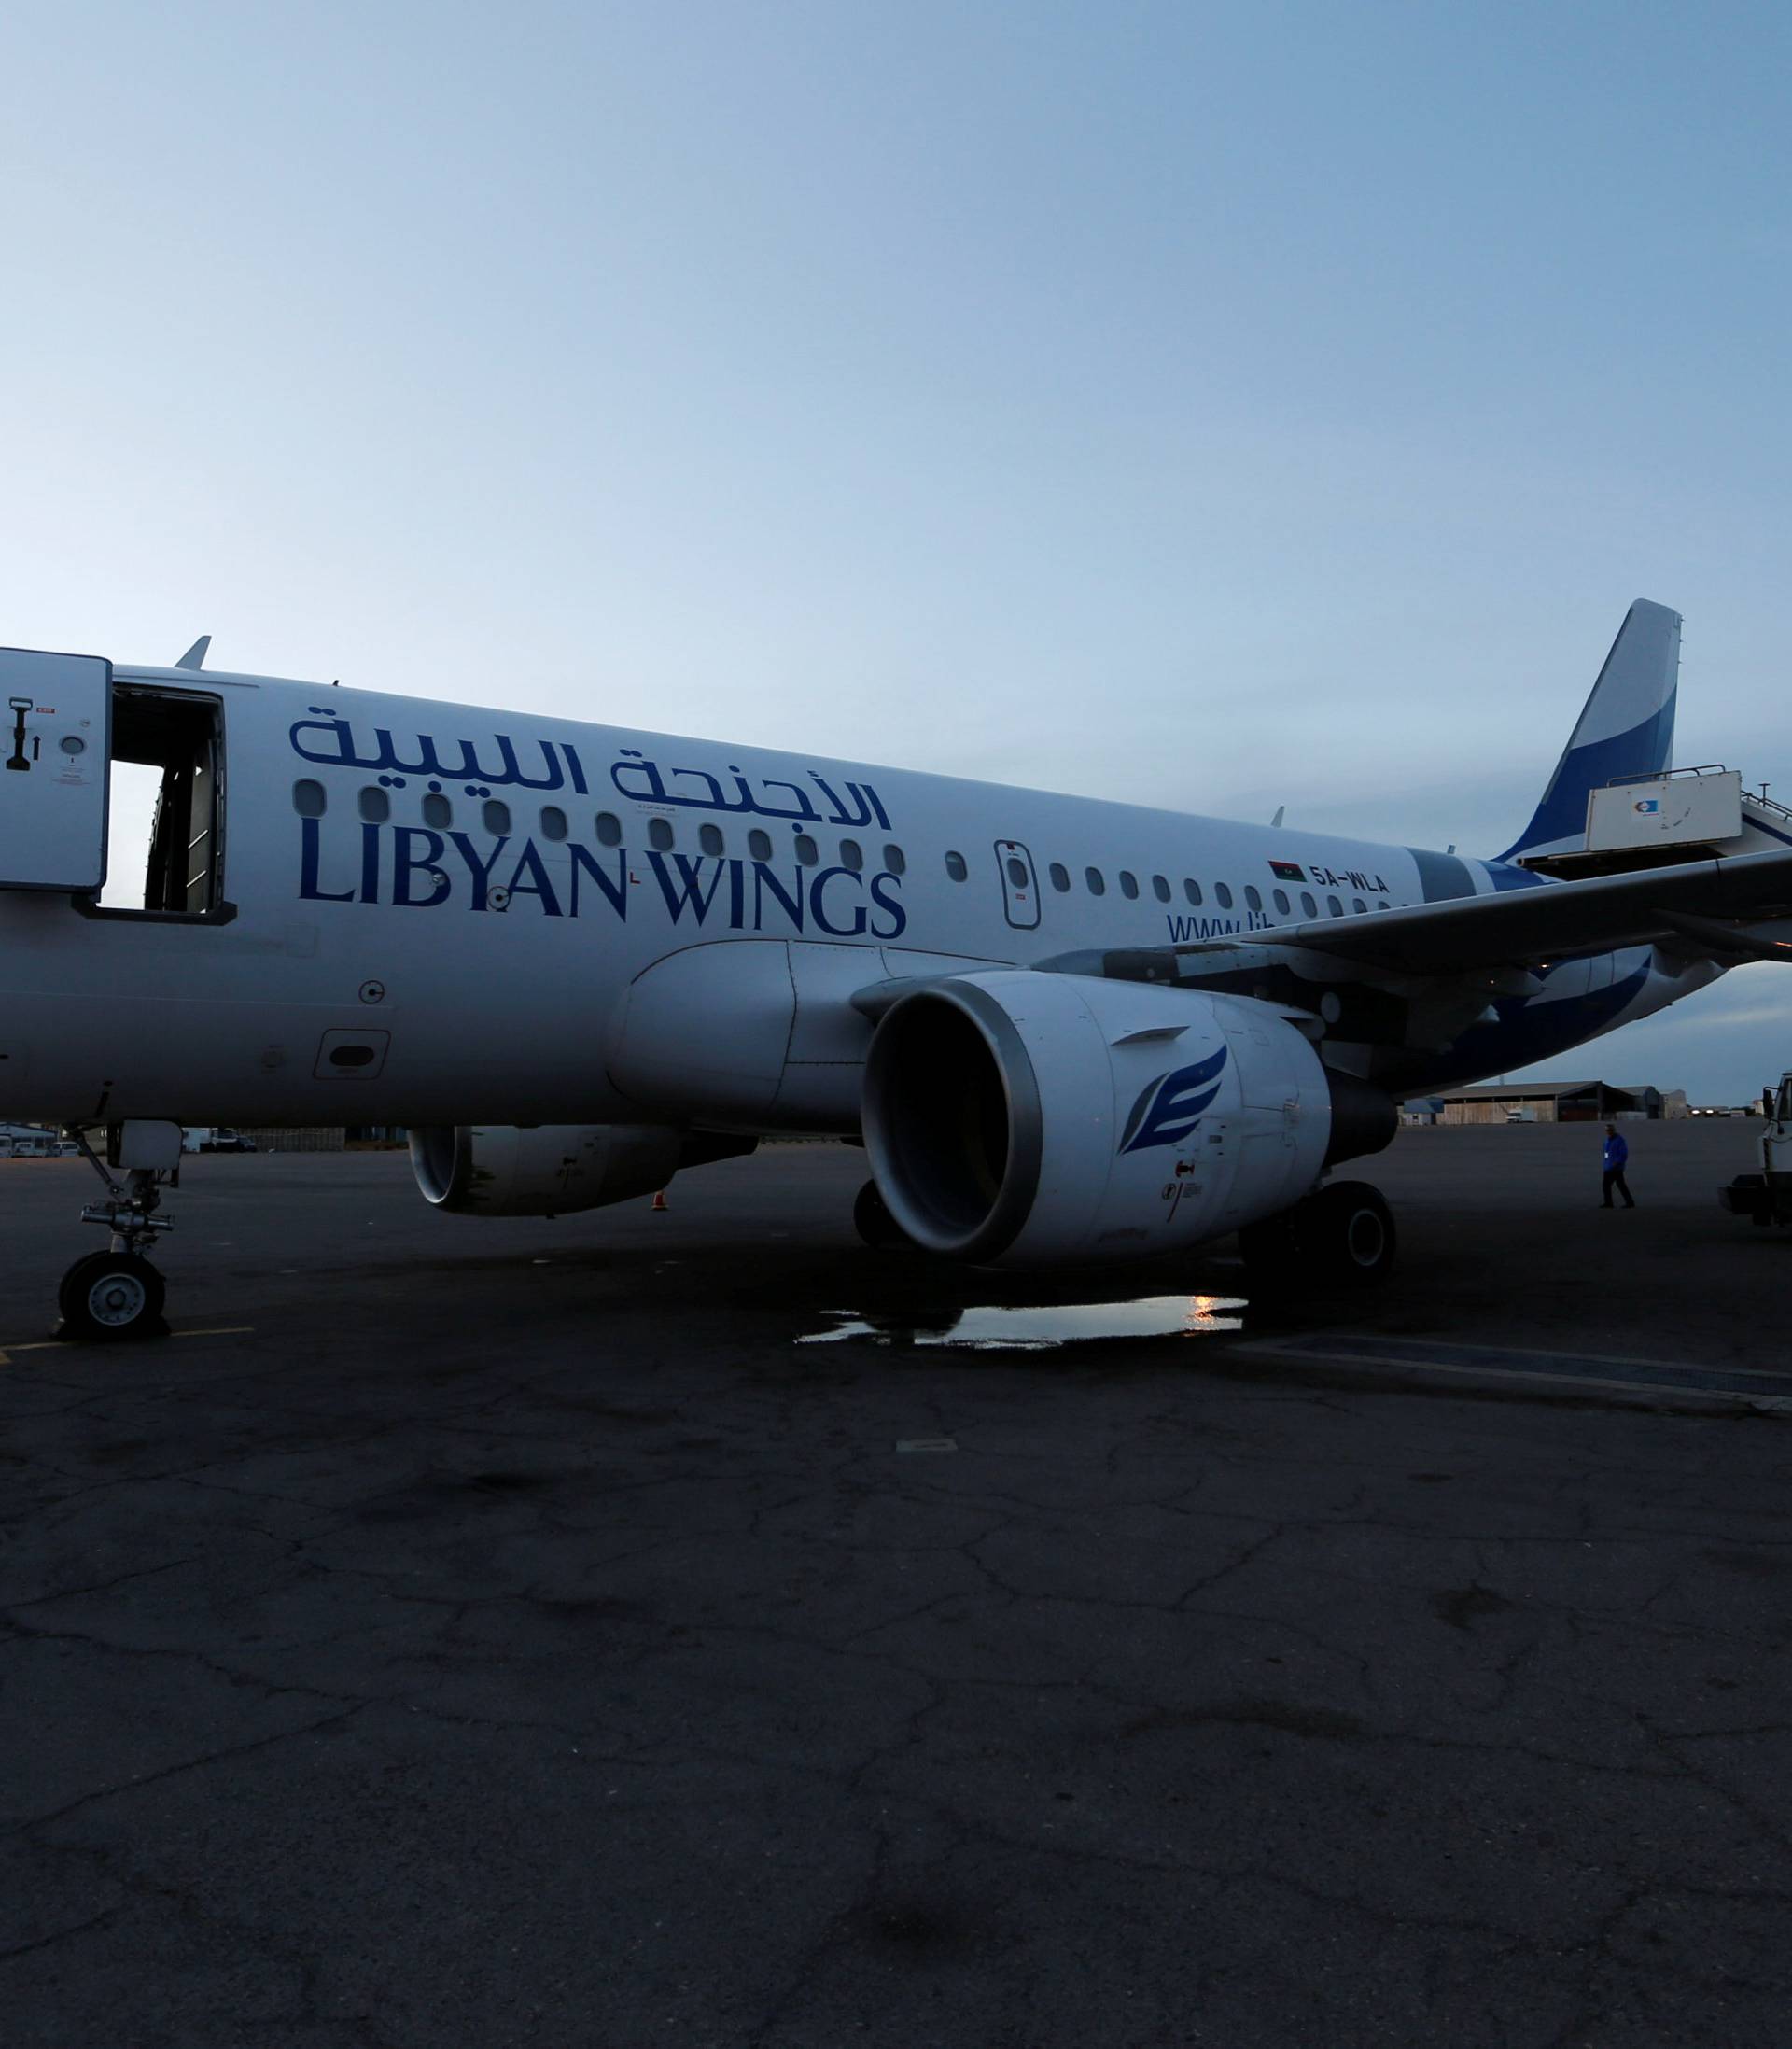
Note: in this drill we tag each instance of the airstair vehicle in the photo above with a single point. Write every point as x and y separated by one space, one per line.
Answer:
1687 814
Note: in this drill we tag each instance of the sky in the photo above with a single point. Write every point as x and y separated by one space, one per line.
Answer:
1214 406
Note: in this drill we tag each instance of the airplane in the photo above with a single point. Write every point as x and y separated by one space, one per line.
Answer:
573 960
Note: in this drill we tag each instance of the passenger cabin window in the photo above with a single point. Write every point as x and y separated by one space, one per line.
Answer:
374 805
1333 905
495 816
894 861
759 844
1307 905
806 850
1160 888
553 822
1253 900
709 838
659 834
308 798
609 829
851 855
1097 881
166 798
1358 906
1280 902
1222 896
954 867
438 811
1192 889
1128 883
1018 872
1060 876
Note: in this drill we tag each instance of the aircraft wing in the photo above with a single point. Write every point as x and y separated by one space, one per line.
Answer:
1725 910
1709 904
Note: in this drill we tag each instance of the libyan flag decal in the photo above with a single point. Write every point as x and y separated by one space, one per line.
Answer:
1287 871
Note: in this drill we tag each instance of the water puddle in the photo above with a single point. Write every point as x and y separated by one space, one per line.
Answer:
1040 1326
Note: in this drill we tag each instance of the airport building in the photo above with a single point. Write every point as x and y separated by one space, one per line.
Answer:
1546 1102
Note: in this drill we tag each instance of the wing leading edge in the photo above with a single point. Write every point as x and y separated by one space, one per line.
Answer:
1685 904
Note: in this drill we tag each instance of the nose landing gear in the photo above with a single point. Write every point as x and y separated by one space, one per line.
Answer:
111 1295
116 1293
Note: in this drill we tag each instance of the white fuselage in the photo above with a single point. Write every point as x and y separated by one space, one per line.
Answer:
474 901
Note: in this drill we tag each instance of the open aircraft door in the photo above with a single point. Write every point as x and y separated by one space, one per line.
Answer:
57 743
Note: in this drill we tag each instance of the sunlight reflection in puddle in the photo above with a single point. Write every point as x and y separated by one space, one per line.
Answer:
1040 1326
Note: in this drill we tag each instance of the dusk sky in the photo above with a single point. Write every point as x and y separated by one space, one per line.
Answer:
1212 406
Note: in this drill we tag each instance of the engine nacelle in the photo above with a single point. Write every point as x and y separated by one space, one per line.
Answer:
1015 1117
543 1169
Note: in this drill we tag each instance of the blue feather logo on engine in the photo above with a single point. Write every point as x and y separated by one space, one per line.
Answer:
1170 1108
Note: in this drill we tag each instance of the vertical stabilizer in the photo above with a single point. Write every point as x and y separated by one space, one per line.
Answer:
1625 729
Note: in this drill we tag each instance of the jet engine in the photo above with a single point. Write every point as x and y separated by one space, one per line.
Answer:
1015 1117
553 1169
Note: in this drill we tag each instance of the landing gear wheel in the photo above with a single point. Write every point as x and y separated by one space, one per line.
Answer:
872 1220
110 1296
1347 1229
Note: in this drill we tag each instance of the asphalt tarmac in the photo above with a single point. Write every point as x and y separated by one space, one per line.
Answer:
492 1633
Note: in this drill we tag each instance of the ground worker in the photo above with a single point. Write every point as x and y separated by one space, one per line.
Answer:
1616 1152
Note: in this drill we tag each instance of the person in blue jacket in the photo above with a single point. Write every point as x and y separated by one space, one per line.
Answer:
1616 1152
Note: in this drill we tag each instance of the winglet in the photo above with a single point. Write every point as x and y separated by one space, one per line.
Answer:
195 656
1625 729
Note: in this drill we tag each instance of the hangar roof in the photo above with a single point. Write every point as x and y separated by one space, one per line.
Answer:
1531 1092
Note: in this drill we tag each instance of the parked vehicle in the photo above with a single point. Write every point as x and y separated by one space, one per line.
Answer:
1766 1198
215 1138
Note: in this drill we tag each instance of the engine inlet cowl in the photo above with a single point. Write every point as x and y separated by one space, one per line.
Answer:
543 1169
1017 1118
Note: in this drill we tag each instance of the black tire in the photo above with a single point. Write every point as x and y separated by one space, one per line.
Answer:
1346 1231
872 1220
112 1296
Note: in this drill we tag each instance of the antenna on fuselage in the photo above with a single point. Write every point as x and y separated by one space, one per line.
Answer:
195 656
1280 809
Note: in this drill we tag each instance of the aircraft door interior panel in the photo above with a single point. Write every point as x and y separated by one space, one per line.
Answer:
53 769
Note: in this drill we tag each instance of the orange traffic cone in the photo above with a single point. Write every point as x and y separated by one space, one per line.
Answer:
659 1200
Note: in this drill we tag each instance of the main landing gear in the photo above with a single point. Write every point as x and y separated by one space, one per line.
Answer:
1341 1236
117 1293
872 1220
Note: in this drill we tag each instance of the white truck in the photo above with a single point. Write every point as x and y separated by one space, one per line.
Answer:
215 1138
1766 1198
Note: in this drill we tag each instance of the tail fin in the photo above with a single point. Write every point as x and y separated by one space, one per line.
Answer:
1625 729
